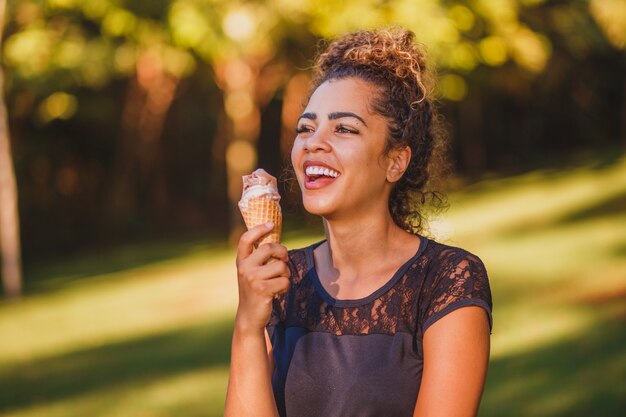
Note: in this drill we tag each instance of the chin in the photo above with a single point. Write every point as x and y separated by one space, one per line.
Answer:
316 205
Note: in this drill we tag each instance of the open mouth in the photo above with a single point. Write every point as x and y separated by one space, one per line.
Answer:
318 176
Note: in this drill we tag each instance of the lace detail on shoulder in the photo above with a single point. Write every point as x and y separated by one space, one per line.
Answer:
461 280
394 310
297 258
427 286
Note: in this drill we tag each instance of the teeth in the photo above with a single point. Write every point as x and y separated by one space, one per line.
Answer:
315 170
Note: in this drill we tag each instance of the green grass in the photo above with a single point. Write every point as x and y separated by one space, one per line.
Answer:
145 330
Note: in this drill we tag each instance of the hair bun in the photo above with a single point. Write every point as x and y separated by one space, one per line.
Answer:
392 51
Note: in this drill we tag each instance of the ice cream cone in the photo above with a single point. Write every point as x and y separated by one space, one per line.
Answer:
259 204
262 210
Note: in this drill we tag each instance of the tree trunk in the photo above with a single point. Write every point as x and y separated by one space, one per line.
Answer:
237 80
248 85
623 126
9 218
470 134
138 170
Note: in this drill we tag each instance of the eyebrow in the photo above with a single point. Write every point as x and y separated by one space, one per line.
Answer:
340 114
310 116
333 116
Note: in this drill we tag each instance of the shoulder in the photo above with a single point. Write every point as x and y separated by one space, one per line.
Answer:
300 258
448 253
299 263
456 277
300 255
444 259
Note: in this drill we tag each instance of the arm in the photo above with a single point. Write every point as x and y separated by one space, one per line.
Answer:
456 357
249 385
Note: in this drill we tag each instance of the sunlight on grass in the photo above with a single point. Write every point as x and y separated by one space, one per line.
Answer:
547 255
193 394
141 300
138 301
532 200
529 326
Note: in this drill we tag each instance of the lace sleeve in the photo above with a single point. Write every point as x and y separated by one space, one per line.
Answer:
278 305
461 280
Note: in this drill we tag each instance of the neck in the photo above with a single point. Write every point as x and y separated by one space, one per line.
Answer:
353 242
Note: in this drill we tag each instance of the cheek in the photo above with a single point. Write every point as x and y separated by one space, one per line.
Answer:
371 168
296 152
365 160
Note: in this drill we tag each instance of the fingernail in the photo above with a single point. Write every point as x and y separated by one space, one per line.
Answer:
269 225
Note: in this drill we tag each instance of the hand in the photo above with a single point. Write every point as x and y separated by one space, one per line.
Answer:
261 274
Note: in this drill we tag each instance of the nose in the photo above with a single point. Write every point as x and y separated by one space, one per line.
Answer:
317 142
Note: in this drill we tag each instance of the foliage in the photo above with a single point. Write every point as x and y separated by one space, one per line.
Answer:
123 112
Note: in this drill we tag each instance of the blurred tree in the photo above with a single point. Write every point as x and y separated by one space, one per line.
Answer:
9 217
59 46
245 44
116 105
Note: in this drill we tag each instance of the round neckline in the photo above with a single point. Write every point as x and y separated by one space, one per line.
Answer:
369 298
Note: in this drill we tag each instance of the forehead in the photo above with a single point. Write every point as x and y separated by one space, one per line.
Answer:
346 94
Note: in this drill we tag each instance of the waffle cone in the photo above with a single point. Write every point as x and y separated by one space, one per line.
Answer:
262 210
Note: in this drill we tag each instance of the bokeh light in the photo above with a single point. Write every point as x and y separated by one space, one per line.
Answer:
452 87
119 22
59 105
611 16
529 49
462 17
239 24
493 50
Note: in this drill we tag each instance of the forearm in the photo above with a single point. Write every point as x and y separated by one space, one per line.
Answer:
251 365
249 386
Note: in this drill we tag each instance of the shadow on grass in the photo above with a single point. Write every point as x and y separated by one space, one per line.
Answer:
548 168
51 275
619 251
613 205
581 376
133 361
54 274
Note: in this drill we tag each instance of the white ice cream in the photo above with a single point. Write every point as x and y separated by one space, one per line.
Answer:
258 184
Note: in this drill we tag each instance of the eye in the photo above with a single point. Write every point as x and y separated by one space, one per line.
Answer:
345 129
303 129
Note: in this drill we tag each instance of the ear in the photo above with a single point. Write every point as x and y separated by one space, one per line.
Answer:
398 162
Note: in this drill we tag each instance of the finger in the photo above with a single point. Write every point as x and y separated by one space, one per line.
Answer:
267 251
247 240
260 275
274 269
278 285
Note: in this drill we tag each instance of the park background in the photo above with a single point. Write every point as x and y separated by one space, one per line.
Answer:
128 126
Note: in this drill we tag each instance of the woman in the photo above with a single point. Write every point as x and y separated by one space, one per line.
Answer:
375 320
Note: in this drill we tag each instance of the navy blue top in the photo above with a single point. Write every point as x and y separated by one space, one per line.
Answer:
364 357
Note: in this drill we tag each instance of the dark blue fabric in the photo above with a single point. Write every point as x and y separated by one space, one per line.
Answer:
328 375
364 357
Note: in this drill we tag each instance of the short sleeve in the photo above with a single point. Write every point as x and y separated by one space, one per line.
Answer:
459 281
278 308
279 303
278 314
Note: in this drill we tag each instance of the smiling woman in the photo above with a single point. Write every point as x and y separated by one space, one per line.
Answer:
375 320
338 131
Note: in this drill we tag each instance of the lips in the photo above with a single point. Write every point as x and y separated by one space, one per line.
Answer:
319 175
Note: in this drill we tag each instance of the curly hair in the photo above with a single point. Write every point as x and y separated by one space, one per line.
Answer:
390 60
